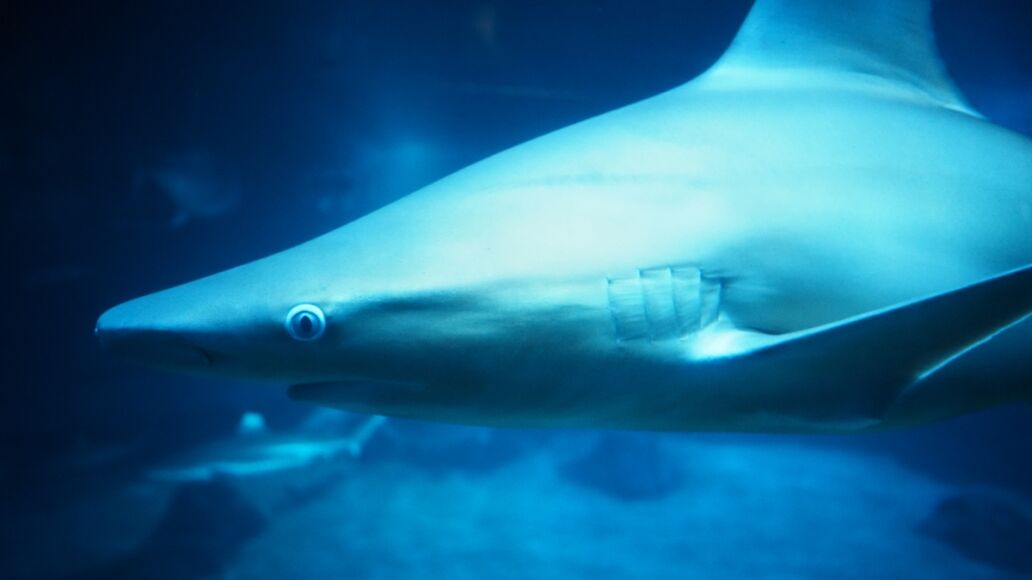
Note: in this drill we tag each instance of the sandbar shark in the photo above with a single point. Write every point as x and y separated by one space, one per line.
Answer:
818 234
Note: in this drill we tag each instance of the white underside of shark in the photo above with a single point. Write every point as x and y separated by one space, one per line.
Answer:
818 234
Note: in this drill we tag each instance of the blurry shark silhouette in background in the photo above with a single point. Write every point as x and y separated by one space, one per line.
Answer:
818 234
254 451
193 183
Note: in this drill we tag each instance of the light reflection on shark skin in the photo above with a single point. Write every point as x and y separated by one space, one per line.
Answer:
794 241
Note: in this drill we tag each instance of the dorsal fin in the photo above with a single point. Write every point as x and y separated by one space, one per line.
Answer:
886 44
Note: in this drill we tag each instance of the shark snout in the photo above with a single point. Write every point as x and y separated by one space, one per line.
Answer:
127 332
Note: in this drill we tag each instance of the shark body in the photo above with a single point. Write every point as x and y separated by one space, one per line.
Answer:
818 234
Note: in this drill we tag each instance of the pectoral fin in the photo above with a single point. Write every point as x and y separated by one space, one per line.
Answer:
853 370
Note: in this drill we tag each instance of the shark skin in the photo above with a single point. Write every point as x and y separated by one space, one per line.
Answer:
816 235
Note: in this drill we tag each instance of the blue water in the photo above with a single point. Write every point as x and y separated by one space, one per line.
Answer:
148 144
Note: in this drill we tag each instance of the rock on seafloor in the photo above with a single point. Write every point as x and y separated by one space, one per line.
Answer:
630 466
987 526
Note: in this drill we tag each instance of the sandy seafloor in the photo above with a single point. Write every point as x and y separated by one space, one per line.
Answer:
779 510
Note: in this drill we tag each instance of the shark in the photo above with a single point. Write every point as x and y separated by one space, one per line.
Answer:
255 452
817 234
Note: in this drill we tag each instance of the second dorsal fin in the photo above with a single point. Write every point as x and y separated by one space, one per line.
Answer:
884 43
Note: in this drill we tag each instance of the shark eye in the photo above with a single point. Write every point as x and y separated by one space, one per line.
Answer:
305 322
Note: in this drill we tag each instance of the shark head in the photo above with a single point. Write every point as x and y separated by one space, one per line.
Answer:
269 320
322 315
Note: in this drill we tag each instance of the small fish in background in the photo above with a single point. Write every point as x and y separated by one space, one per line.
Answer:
194 183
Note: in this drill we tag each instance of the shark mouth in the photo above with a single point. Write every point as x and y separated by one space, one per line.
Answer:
155 347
